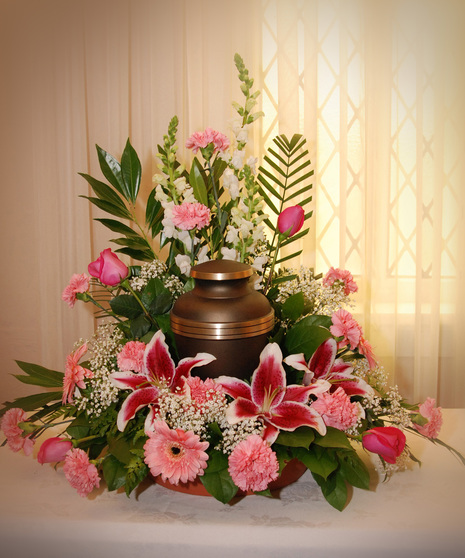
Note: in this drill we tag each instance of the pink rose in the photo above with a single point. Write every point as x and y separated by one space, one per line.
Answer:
429 411
188 216
386 441
291 219
108 268
53 450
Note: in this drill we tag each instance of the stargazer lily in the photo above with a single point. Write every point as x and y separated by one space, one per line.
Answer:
159 373
267 398
323 365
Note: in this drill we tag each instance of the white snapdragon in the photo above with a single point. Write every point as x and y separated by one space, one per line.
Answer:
202 255
237 160
230 254
184 263
232 236
252 163
231 183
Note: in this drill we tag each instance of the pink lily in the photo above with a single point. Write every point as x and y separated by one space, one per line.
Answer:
159 373
324 365
268 398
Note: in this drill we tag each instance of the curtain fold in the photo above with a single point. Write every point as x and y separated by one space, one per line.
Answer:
377 89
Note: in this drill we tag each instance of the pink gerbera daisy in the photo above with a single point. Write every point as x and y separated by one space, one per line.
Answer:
176 455
253 464
131 357
74 374
80 472
79 283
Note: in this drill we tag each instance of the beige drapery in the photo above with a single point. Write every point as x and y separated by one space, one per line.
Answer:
76 74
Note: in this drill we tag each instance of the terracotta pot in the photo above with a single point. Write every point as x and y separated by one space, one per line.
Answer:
224 316
291 473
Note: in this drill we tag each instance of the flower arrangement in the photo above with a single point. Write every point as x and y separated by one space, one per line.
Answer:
128 407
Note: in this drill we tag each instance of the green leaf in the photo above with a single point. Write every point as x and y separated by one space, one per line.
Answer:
333 438
103 191
293 306
334 489
197 182
217 479
39 376
153 213
33 402
305 339
131 171
126 305
354 471
301 437
111 170
156 298
321 462
140 326
117 226
109 207
114 472
80 427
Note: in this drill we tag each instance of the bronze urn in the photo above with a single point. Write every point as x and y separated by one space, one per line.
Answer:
225 316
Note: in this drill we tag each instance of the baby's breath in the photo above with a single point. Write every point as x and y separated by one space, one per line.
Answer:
157 269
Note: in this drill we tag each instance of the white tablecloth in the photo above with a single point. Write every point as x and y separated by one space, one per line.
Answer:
418 513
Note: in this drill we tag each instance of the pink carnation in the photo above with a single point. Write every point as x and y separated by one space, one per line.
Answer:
346 327
80 472
253 464
131 357
200 140
202 391
79 283
176 455
342 275
337 410
188 216
74 374
14 433
429 411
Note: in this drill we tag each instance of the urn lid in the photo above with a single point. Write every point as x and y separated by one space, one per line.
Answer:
221 270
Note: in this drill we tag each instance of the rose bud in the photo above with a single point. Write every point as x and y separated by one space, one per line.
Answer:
108 268
54 450
386 441
291 220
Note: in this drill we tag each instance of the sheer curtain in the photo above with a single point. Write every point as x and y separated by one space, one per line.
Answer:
384 128
377 88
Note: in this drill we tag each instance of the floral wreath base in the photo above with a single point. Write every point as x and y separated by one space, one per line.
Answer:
290 474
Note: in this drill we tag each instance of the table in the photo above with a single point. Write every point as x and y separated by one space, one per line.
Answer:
418 513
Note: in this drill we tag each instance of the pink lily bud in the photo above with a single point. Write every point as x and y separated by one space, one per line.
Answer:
53 450
291 219
386 441
108 268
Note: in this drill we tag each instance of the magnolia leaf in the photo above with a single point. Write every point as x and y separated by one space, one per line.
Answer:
39 376
126 305
322 463
140 326
354 471
79 428
293 306
220 485
334 489
301 437
114 472
305 339
333 438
